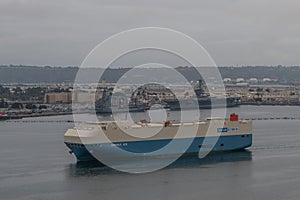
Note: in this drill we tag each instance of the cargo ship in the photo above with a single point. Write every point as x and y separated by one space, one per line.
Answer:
118 103
202 100
202 103
219 135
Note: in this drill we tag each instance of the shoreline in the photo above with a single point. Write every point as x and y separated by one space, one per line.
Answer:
10 117
268 104
45 114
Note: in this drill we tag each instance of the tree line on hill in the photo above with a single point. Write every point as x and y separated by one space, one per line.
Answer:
52 75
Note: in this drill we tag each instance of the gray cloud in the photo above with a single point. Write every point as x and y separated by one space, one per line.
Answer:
62 32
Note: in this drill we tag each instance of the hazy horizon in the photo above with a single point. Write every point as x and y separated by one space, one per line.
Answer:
62 33
119 67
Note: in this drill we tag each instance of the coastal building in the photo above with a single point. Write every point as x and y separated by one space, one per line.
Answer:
66 97
239 80
253 80
86 97
227 80
267 80
58 98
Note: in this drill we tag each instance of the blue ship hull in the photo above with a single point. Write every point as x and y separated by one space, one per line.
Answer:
224 143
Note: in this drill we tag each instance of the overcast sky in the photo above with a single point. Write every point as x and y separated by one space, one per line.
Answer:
235 32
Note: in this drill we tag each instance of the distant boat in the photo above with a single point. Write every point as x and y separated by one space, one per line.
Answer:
202 101
109 103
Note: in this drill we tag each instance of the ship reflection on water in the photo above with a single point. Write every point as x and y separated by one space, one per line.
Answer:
95 168
213 158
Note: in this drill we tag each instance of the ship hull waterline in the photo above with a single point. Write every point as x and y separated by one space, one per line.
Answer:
87 152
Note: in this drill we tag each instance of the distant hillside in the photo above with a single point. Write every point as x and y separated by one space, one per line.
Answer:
32 74
49 75
283 74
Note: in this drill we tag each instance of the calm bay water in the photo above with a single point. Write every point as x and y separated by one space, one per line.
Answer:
35 164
